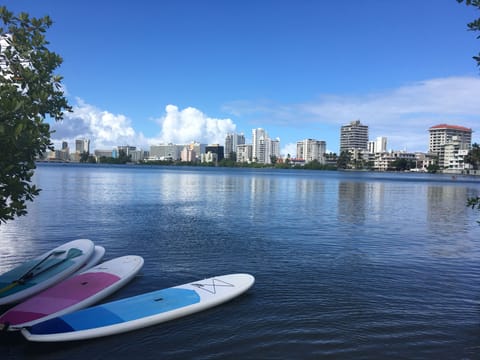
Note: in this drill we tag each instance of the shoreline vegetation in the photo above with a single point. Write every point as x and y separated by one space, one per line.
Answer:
313 165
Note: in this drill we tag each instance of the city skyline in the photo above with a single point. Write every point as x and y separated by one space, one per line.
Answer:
189 71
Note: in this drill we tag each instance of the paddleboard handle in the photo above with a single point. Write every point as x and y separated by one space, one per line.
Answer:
73 252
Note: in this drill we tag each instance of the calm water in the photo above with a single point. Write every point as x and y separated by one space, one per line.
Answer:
347 265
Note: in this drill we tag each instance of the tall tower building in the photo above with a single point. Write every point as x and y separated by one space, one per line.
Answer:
258 145
442 134
231 143
263 148
448 141
379 145
310 149
82 145
354 136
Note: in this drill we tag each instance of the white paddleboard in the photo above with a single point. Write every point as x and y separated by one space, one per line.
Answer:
141 311
74 293
43 271
97 256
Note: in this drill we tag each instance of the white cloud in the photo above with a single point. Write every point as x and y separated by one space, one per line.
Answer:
104 129
290 148
190 124
107 130
403 115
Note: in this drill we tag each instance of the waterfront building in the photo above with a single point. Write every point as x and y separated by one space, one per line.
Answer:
383 161
379 145
274 148
128 150
103 153
454 156
310 149
244 153
258 145
165 152
215 149
354 136
451 136
209 157
82 145
198 149
59 155
263 147
188 154
231 143
138 155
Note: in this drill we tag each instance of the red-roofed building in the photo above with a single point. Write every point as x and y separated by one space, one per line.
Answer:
445 136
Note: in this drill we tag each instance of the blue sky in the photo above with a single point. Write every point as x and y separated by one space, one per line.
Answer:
145 72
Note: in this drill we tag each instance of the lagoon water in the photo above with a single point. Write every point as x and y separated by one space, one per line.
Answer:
349 265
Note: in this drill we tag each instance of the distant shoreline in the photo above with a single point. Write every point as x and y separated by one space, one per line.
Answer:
472 173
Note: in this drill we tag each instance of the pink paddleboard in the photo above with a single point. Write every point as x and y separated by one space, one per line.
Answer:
74 293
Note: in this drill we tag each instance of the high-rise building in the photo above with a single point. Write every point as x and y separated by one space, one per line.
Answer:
354 136
379 145
82 145
443 134
165 152
310 149
244 153
231 143
264 148
215 149
258 145
449 142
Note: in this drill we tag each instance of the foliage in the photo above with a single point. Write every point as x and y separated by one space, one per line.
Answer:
433 168
473 157
343 160
402 164
122 158
475 24
29 93
84 157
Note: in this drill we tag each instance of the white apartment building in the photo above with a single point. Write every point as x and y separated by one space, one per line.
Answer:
383 161
263 148
354 136
379 145
165 152
231 143
444 139
82 145
244 153
454 156
310 149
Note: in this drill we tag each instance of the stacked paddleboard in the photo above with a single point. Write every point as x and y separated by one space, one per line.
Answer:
45 270
58 287
76 292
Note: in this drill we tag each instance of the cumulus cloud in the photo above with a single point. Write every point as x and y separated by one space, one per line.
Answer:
190 124
104 129
107 130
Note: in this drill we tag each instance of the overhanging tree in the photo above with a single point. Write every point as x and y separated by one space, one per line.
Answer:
475 24
474 202
30 93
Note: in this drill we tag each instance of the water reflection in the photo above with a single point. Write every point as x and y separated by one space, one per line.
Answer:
448 221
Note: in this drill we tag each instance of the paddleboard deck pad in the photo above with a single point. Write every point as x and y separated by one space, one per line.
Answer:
141 311
42 272
73 293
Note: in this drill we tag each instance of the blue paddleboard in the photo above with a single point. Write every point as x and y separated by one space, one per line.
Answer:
141 311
